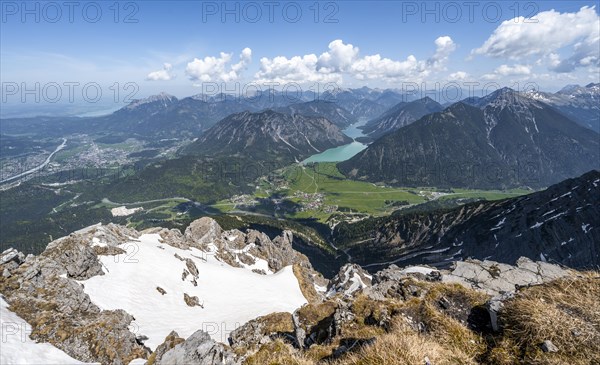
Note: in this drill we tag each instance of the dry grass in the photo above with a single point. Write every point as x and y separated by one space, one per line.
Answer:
405 346
306 287
278 322
277 353
566 312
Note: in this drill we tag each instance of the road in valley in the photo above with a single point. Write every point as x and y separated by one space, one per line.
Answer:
39 167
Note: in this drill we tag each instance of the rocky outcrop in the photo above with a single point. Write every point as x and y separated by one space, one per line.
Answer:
171 341
198 349
392 282
43 291
350 279
240 249
496 278
202 232
262 330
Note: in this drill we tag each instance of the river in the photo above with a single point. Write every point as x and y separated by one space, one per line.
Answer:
345 152
39 167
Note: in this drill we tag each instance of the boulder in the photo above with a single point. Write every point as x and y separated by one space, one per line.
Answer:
11 255
548 346
192 301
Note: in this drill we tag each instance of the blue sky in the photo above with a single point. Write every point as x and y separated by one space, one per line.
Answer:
189 36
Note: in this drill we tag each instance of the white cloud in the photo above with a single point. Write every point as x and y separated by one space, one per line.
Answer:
444 47
339 57
490 77
544 35
344 59
162 75
296 69
218 68
458 75
515 70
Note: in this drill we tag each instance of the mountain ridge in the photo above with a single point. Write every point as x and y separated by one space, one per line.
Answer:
507 140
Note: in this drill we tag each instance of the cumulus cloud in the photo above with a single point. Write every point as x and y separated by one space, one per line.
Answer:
339 57
458 75
544 35
344 59
506 70
515 70
162 75
212 68
295 69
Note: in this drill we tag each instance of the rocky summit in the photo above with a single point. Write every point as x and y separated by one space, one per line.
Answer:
308 319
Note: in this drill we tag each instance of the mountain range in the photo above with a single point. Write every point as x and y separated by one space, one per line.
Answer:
158 116
500 141
400 115
559 224
580 103
364 102
268 136
321 108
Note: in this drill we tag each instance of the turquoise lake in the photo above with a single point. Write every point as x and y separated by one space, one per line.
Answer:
342 153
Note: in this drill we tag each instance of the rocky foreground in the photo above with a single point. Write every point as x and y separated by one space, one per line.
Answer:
477 312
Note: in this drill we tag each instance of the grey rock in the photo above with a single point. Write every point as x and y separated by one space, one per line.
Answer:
497 278
299 332
278 252
202 232
191 266
494 306
6 273
12 255
173 237
350 279
255 333
170 342
548 346
198 349
192 301
82 263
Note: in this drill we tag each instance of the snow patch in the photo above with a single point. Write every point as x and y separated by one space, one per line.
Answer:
418 269
123 211
231 296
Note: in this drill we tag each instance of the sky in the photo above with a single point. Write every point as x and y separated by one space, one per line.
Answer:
183 48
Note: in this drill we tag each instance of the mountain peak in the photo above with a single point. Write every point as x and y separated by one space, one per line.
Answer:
162 98
569 89
505 97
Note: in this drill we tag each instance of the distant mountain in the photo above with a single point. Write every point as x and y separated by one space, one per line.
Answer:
158 116
364 102
559 224
400 115
268 136
579 103
321 108
507 141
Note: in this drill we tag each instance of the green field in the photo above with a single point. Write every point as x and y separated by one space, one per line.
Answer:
302 184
